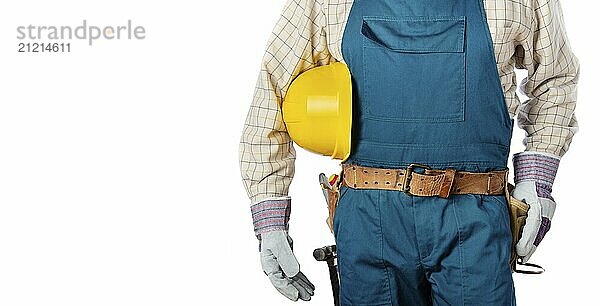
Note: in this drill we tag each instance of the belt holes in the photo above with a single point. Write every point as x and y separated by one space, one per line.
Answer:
376 172
387 173
366 183
354 185
387 183
376 183
457 189
365 171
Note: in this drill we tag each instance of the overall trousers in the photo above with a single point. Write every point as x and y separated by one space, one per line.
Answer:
426 90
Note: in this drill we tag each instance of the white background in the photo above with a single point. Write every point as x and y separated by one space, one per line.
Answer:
119 180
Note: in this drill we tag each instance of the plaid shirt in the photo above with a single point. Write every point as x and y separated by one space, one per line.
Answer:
527 34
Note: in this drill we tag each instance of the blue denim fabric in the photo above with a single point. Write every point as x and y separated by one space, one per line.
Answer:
426 90
398 249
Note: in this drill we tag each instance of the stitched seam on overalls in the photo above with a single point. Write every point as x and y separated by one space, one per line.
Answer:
385 268
506 215
415 18
393 164
412 208
416 50
460 254
513 301
490 47
433 145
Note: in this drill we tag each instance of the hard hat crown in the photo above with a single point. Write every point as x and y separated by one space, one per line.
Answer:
317 110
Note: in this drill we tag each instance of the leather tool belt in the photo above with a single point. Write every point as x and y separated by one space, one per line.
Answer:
431 182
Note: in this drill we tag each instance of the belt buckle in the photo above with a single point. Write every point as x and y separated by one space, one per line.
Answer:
408 176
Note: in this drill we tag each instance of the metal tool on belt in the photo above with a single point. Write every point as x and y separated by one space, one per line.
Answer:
329 255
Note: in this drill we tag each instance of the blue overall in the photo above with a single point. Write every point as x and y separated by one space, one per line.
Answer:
426 90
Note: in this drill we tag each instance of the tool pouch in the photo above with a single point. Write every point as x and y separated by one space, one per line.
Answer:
518 213
332 201
334 196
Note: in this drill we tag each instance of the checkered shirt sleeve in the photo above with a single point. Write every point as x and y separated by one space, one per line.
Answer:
297 43
551 85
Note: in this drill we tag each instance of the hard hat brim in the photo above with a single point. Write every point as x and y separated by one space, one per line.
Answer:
344 139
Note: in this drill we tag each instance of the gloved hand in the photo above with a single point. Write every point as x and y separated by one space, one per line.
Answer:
534 176
282 268
276 249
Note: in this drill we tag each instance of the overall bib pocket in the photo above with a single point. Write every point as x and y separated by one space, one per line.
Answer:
414 68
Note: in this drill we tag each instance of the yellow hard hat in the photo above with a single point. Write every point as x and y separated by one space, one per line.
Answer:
317 110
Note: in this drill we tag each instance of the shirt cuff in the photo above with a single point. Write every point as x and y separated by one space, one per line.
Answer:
271 214
537 167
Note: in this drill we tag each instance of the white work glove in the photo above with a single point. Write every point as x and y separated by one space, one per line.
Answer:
282 268
534 176
276 249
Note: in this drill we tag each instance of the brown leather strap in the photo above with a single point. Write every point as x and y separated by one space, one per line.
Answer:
440 183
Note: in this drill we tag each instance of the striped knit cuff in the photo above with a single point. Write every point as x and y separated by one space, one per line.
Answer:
271 215
536 167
